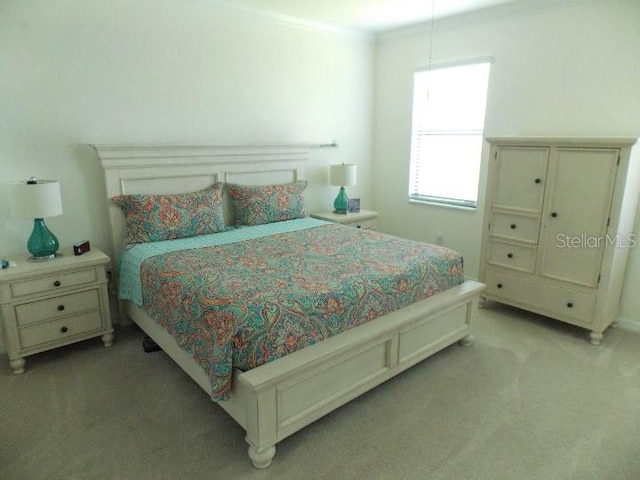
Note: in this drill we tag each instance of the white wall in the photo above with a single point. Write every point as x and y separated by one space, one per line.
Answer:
74 72
564 68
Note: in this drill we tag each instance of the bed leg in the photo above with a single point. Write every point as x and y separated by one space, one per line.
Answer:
466 341
261 458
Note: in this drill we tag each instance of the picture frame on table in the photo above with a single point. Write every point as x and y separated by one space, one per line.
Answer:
354 205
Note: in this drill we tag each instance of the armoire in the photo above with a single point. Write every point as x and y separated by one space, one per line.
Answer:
559 225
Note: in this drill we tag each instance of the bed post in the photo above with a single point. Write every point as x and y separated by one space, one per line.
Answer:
472 307
261 426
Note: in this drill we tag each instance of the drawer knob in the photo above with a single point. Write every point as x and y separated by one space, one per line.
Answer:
57 283
570 304
510 255
60 308
513 226
554 214
538 180
358 226
64 329
499 285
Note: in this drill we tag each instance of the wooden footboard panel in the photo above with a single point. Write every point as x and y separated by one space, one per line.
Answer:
310 383
314 393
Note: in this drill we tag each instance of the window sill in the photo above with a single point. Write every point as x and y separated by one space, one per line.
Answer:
444 205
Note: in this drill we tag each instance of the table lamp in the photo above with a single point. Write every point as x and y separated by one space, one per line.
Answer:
37 199
343 175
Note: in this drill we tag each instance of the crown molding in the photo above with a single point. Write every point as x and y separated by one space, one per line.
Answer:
297 22
496 13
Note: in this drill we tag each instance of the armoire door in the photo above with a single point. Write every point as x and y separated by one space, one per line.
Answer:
521 173
576 214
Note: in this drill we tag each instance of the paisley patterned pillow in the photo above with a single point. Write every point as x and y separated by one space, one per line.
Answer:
255 205
150 218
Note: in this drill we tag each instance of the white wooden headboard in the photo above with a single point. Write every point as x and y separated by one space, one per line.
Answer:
130 169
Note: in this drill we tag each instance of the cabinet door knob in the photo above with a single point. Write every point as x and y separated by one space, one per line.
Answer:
499 285
538 180
60 308
57 283
63 329
513 226
554 214
570 304
510 255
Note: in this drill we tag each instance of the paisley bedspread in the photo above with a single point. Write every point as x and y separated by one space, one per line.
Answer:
247 303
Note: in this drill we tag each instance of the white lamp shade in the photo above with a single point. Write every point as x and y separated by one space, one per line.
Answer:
343 175
37 200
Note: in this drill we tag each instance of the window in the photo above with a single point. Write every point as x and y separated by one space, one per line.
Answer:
449 104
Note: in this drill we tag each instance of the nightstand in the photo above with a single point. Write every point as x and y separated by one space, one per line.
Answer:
365 219
45 305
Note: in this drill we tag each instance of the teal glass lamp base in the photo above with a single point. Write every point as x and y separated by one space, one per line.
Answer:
42 243
341 203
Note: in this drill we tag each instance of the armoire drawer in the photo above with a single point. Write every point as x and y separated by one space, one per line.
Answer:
515 227
549 300
511 255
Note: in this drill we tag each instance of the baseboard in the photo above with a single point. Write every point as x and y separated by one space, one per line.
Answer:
628 324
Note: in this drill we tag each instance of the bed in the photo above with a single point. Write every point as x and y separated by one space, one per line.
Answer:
272 396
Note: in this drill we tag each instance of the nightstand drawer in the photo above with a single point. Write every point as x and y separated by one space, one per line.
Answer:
364 219
51 283
60 330
30 313
369 224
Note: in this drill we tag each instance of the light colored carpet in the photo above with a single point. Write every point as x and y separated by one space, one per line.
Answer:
530 399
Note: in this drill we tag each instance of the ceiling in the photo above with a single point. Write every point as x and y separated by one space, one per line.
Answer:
362 15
